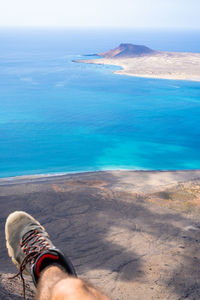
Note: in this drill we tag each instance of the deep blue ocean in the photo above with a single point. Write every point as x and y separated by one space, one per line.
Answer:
59 116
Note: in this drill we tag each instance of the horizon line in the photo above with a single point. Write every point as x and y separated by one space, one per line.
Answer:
97 27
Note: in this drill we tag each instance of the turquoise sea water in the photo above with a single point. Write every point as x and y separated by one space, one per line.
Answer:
59 116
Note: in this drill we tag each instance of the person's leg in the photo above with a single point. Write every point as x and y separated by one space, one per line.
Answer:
55 284
33 252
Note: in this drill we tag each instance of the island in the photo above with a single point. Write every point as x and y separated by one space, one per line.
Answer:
141 61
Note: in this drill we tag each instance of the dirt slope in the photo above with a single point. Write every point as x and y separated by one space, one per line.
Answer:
133 234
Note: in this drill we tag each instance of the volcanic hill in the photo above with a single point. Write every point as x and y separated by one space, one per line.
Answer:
128 50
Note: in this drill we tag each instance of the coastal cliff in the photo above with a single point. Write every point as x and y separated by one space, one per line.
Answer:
124 231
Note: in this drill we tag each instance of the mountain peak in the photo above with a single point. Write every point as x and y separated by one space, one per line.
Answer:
127 50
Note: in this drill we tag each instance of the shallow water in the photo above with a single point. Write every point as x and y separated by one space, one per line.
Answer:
60 116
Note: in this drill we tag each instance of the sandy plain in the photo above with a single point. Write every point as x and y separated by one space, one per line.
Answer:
134 234
164 65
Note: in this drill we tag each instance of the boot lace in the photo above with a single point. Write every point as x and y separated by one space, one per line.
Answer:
33 244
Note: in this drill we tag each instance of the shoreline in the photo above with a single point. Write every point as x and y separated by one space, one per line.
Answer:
164 65
21 179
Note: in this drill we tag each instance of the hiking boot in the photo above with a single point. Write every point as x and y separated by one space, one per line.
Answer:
30 248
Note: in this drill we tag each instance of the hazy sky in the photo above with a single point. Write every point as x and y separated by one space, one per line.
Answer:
99 13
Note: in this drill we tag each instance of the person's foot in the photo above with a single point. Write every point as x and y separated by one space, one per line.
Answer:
30 247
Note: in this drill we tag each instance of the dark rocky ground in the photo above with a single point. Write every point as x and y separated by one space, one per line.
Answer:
135 235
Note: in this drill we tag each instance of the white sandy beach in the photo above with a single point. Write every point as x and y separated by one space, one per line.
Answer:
164 65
